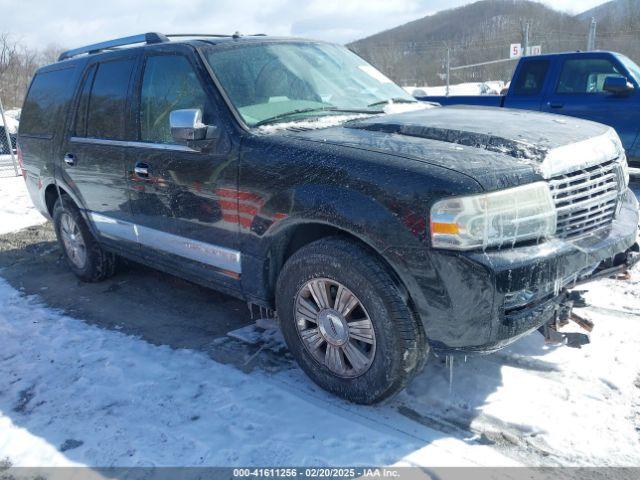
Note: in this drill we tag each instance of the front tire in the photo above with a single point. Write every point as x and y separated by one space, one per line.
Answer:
347 322
84 256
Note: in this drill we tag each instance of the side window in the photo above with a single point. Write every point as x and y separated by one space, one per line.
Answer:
83 105
531 77
169 83
585 75
106 111
46 99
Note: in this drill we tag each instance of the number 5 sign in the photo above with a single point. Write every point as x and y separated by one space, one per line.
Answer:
515 51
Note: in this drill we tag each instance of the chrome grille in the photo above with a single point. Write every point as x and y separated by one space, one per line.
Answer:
586 199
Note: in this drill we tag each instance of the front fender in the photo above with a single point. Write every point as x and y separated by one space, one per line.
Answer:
396 236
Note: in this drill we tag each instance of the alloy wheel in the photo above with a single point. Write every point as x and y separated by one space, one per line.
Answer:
335 328
72 240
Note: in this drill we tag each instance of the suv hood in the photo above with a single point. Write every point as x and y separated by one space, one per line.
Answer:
495 146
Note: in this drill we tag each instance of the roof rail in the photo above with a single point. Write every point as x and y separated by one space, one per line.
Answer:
197 35
148 38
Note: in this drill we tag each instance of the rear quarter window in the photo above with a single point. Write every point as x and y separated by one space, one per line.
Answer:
48 97
531 78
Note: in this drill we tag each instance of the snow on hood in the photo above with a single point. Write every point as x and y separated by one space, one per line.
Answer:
552 143
498 147
334 120
311 124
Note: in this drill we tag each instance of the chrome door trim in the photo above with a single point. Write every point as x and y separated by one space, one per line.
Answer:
129 143
207 253
214 255
113 228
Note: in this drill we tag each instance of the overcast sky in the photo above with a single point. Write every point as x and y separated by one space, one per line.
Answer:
72 23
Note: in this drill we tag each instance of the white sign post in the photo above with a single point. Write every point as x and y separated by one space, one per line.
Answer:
535 50
515 51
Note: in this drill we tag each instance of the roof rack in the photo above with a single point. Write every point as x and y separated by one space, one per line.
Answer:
197 35
148 38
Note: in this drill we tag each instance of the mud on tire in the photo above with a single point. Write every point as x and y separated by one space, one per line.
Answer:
99 264
400 345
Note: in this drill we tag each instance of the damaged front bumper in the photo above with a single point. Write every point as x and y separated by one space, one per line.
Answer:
495 297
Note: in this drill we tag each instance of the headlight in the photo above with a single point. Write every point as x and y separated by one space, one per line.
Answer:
494 219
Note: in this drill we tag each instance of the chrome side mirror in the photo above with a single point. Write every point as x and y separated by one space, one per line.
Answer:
187 125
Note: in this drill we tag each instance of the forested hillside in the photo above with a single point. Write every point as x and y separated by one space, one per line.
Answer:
415 53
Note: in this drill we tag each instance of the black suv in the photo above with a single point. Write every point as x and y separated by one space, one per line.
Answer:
294 175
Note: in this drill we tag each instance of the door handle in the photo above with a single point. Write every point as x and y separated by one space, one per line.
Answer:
142 170
555 105
70 159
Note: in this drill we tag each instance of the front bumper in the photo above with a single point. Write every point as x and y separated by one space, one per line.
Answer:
495 297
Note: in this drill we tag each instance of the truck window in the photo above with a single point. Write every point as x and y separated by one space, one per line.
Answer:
169 83
585 75
106 110
47 97
531 77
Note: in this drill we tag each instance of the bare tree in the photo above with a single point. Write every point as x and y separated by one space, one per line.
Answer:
18 63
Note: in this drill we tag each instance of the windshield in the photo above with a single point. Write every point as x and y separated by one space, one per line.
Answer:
633 68
272 82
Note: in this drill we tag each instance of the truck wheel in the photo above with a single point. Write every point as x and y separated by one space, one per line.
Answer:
82 252
347 322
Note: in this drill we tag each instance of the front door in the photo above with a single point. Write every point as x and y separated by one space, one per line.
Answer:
94 154
579 93
178 193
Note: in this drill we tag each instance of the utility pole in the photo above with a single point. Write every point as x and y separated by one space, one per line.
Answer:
448 69
591 41
525 40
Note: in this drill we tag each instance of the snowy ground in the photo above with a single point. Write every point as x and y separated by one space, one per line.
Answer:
474 88
16 209
72 393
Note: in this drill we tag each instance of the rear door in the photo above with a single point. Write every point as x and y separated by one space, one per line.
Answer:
183 199
42 126
94 154
579 92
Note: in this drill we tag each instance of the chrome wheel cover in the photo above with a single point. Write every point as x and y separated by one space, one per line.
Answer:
334 327
72 240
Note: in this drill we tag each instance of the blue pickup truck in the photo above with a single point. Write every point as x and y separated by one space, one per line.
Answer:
599 86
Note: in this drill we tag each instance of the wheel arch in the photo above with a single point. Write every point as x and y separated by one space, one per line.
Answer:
297 235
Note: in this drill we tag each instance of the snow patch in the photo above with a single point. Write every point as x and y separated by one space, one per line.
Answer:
101 398
16 209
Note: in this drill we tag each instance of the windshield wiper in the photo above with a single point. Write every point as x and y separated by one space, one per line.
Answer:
392 100
293 112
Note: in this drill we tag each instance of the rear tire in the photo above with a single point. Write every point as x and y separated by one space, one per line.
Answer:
347 322
83 254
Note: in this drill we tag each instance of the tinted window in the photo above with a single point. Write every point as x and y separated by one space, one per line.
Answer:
585 75
107 102
83 104
531 77
169 83
47 97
